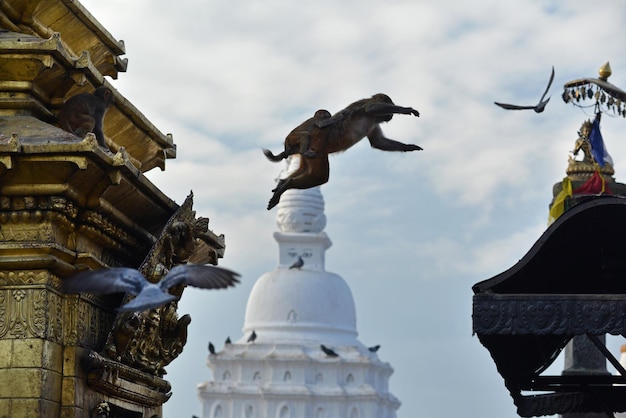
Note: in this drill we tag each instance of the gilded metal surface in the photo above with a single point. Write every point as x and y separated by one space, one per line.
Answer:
582 170
605 71
606 95
67 204
39 74
125 382
102 410
81 31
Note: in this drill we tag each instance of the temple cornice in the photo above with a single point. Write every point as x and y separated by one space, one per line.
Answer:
82 32
38 75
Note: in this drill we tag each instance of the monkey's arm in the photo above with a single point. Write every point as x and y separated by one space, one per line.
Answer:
378 141
387 108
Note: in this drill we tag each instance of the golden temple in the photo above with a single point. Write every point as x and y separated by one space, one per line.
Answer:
67 204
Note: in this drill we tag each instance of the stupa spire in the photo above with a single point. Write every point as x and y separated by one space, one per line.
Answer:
293 311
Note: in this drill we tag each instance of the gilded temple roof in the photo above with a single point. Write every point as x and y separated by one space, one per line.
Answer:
81 31
52 50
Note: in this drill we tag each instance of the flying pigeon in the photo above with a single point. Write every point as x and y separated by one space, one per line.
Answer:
298 264
252 337
211 348
539 107
149 295
329 352
374 348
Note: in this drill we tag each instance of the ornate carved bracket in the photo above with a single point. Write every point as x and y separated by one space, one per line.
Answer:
152 339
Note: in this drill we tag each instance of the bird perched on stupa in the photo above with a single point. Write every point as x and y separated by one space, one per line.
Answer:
297 264
329 351
148 295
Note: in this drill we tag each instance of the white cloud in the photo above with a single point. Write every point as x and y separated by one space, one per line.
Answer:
229 78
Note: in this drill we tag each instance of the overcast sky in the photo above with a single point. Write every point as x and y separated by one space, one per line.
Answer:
411 232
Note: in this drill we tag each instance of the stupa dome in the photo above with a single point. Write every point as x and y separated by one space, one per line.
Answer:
289 305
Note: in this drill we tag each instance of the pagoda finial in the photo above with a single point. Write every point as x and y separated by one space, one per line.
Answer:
605 71
300 210
606 96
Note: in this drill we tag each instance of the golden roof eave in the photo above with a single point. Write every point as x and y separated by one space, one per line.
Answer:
81 31
39 74
56 162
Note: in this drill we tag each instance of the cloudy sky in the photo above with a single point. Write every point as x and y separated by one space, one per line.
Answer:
411 232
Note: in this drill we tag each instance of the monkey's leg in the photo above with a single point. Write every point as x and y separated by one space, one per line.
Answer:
304 148
282 187
292 146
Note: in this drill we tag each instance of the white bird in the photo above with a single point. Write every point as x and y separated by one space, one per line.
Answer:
149 295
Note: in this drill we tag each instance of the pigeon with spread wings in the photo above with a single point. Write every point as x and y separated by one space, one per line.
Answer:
149 295
539 107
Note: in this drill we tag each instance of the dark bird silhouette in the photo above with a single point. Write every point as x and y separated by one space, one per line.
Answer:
329 352
298 264
211 348
539 107
228 341
374 348
149 295
252 337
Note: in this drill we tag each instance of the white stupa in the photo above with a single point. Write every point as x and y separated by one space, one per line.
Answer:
293 311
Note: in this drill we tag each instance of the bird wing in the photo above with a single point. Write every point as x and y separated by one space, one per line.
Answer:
513 107
104 281
548 88
541 103
199 275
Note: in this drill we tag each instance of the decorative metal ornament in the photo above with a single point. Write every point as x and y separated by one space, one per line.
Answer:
608 97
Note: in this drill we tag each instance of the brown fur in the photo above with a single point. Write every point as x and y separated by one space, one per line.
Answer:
311 172
84 113
298 142
315 139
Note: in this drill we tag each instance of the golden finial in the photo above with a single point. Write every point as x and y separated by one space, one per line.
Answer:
605 71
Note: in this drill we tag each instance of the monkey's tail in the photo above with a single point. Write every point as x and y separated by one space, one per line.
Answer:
272 157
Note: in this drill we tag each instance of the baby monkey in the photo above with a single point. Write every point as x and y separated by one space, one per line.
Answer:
84 113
